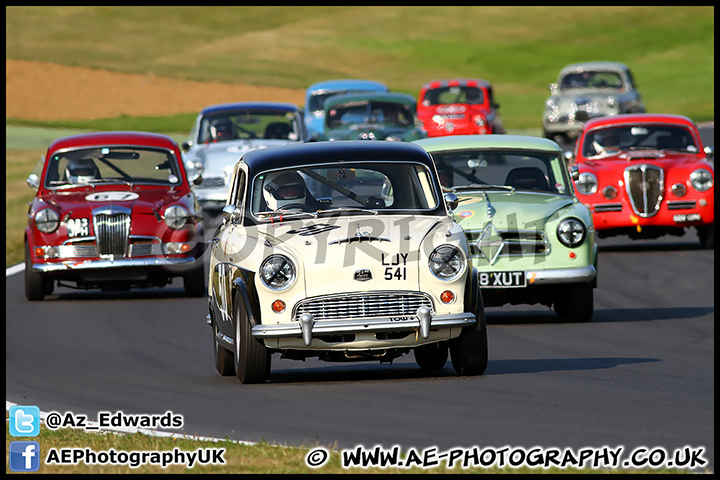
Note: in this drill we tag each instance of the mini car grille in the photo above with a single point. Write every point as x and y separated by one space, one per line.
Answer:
363 305
112 232
212 182
607 207
680 204
645 185
514 243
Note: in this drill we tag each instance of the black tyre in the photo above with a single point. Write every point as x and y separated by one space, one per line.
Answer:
706 234
469 351
252 358
194 280
36 287
576 304
223 358
431 356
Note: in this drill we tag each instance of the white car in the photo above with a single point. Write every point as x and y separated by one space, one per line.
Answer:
588 90
343 251
222 133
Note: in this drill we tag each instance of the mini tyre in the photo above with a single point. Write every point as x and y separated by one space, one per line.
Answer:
469 351
251 358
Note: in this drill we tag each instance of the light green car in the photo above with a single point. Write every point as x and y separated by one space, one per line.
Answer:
530 238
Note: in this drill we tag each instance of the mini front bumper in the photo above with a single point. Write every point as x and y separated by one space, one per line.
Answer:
307 327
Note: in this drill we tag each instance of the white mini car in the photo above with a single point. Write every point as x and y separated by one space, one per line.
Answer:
343 251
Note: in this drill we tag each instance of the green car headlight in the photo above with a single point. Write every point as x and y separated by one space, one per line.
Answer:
571 232
277 272
47 220
447 262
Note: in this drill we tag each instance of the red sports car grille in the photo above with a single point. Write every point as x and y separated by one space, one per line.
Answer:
112 232
644 185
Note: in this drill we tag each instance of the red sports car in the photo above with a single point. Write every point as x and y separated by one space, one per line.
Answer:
458 107
646 175
113 210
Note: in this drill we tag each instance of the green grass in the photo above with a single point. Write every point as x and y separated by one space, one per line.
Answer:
518 49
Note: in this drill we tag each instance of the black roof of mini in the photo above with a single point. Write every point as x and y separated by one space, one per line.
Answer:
335 152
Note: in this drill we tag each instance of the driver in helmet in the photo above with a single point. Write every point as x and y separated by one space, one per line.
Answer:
81 170
284 189
606 142
221 130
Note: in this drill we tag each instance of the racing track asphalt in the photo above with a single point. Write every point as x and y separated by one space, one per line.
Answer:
640 374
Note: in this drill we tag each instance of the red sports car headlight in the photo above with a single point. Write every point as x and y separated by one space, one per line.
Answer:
479 120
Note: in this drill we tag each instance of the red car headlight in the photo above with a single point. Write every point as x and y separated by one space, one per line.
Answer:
47 220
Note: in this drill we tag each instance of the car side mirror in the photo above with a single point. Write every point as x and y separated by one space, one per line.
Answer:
231 214
32 181
452 200
709 152
553 87
186 145
569 156
197 179
574 173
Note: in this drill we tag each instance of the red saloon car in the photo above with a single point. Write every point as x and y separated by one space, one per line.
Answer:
646 175
458 107
113 211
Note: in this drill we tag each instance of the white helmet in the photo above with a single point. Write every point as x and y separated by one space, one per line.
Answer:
81 170
283 188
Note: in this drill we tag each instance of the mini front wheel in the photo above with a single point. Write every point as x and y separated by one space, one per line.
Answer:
469 351
252 358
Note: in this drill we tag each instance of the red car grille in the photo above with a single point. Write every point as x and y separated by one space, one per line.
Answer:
112 232
645 185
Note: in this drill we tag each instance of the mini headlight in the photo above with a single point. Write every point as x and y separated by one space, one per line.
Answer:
447 262
701 180
571 232
277 272
586 183
175 217
47 220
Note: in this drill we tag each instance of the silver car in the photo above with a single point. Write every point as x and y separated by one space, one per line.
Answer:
223 133
588 90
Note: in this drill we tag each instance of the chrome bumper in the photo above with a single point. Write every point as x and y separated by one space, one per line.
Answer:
307 326
112 264
561 275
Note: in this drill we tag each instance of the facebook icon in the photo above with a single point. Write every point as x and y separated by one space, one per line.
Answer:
24 456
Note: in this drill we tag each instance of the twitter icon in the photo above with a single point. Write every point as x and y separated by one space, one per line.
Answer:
24 421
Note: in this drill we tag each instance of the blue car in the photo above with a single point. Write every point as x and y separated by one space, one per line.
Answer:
316 94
